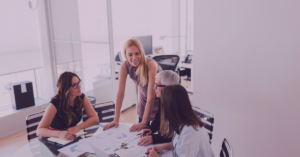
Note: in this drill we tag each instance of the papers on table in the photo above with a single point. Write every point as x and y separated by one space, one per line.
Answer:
71 150
62 141
110 141
118 135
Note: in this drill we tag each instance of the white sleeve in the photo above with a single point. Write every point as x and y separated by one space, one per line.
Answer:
188 144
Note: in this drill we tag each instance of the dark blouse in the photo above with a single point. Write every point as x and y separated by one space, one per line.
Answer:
154 127
59 122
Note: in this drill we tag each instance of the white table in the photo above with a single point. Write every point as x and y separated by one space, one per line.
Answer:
40 147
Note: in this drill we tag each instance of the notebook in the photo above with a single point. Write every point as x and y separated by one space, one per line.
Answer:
64 142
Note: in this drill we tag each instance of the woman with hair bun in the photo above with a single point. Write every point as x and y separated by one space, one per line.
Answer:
65 110
142 71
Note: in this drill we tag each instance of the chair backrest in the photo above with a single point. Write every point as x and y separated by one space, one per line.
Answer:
92 99
226 150
167 62
207 118
105 111
32 122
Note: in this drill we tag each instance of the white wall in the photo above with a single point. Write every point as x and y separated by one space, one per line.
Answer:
249 71
17 122
138 18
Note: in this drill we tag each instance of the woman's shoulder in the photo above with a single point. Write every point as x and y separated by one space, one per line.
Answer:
126 65
55 101
190 130
149 59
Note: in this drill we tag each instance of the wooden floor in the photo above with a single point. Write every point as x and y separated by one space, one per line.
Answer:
12 143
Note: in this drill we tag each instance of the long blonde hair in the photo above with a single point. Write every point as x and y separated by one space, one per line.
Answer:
142 70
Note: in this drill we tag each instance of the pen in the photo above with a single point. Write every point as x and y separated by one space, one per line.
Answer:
73 135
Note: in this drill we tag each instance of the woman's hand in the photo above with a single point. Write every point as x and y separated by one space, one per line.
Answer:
111 124
66 135
146 140
145 134
74 129
154 150
137 127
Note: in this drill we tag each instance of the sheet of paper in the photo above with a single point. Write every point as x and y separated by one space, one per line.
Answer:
124 153
84 146
119 134
23 88
105 145
139 151
167 153
71 150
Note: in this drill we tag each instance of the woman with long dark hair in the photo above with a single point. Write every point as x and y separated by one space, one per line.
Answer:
180 122
65 110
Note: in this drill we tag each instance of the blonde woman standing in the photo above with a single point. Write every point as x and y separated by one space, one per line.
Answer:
142 71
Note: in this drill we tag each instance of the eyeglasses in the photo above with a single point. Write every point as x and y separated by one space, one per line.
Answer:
76 84
156 85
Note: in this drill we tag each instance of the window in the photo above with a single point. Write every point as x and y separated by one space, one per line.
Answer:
20 54
81 44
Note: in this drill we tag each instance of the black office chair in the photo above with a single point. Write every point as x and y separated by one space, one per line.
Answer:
167 62
105 111
226 150
207 118
92 99
32 122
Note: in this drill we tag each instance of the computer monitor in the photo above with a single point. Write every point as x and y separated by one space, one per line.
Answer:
146 41
118 57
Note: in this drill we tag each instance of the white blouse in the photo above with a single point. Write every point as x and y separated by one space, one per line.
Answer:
192 143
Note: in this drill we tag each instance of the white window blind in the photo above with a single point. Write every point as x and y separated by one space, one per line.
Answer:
19 39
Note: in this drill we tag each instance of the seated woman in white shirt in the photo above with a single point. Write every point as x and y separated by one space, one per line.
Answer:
178 120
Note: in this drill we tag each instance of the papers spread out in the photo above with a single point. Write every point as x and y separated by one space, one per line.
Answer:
62 141
105 145
110 141
139 151
119 134
71 150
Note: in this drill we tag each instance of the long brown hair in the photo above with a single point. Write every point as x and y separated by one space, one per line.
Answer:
176 111
64 83
142 70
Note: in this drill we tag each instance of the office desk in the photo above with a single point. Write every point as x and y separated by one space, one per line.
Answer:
41 147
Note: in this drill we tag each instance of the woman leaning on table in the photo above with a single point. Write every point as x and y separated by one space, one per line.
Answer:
142 71
65 110
180 122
